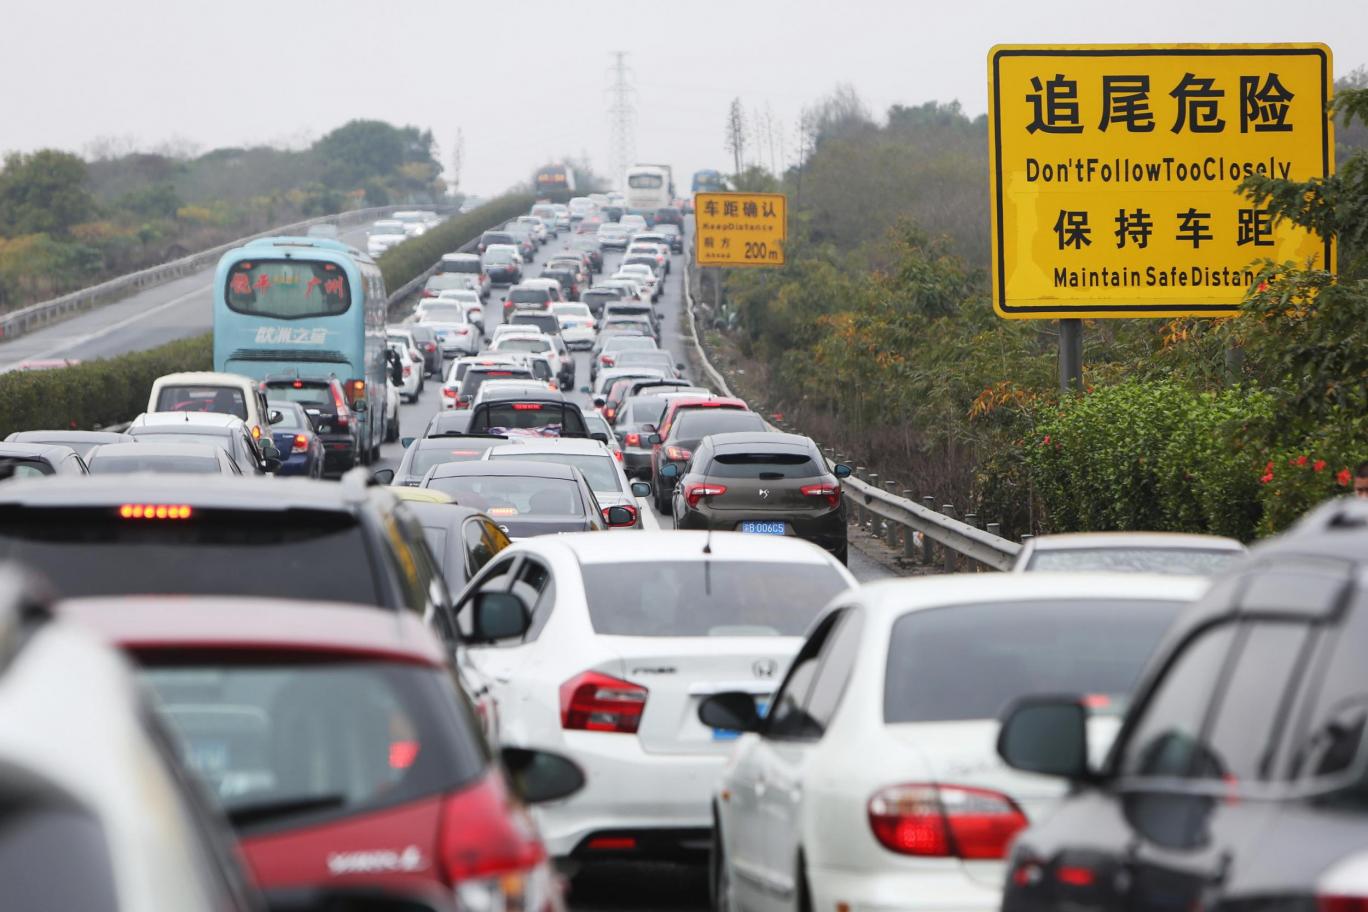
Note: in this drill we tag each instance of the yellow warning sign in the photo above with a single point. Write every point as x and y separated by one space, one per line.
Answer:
740 229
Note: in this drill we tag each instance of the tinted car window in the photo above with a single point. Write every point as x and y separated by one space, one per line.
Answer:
693 424
764 466
482 541
547 323
434 453
644 410
714 598
529 296
972 661
599 470
300 554
276 742
1332 737
504 496
476 376
27 468
224 400
179 465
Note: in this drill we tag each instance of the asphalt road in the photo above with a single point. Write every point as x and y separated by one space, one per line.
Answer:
154 316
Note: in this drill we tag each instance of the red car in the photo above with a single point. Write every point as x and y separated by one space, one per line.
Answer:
340 748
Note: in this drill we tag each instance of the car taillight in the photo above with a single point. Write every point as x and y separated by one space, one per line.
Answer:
449 392
609 412
407 370
155 511
606 360
598 702
832 493
490 853
679 454
1342 903
340 404
430 346
633 440
944 821
301 444
527 406
428 293
695 492
617 454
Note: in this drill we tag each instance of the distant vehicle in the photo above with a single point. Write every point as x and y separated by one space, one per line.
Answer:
554 179
383 235
708 180
649 187
324 401
34 460
468 263
581 207
227 432
162 458
212 391
424 453
300 446
1128 552
324 230
503 264
415 222
312 306
80 441
592 457
527 498
614 234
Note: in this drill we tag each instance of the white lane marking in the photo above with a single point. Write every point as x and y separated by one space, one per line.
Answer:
106 330
647 514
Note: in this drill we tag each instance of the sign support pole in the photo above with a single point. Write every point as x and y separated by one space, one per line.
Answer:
1070 356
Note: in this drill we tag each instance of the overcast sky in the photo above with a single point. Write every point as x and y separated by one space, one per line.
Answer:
528 81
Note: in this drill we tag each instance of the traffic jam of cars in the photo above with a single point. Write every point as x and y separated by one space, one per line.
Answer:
595 612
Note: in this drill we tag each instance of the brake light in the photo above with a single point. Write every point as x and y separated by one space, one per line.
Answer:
617 454
609 412
695 492
430 346
340 403
944 821
407 370
606 360
633 440
678 454
449 392
527 406
301 444
155 511
428 293
488 847
598 702
358 389
402 754
832 493
298 384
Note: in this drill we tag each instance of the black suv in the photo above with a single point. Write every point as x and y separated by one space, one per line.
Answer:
325 402
199 535
1239 779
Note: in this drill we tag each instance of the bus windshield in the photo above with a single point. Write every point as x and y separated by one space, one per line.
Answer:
288 289
646 181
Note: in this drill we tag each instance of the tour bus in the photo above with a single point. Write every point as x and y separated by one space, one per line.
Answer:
554 181
648 188
306 307
708 181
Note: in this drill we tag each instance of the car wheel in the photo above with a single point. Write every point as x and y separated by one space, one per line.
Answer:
719 874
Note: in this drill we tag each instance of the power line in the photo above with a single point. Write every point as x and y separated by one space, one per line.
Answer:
621 115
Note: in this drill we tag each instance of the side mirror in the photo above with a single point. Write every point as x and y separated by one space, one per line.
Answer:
383 476
842 470
360 406
406 441
733 711
541 776
599 436
1046 735
498 616
271 464
653 440
620 517
679 366
268 449
669 470
599 401
641 489
275 416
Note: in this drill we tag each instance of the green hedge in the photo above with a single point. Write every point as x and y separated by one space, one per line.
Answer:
405 262
95 394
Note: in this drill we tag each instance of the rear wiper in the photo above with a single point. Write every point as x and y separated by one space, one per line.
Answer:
247 814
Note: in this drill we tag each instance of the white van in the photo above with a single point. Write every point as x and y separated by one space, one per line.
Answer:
211 391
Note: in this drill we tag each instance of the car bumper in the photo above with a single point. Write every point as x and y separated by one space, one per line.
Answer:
578 337
628 790
297 464
827 530
929 890
338 457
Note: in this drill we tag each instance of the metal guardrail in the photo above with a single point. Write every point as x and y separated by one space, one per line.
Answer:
904 520
26 319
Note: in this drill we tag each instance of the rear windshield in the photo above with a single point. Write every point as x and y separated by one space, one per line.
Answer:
972 661
173 463
471 265
476 376
707 598
764 466
599 470
499 257
1183 561
449 280
525 345
644 410
546 324
159 434
621 342
319 395
444 451
529 296
497 237
290 418
297 554
277 743
501 415
439 313
698 423
224 400
502 496
287 289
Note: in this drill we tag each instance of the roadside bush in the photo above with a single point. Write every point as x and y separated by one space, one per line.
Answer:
97 393
404 262
1298 475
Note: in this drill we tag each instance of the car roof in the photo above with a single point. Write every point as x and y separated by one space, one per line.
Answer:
191 421
460 257
204 491
683 402
737 441
431 513
504 468
680 545
59 437
54 452
890 599
1173 540
156 449
579 446
173 622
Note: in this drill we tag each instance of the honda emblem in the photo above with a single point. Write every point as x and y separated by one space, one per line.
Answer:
765 668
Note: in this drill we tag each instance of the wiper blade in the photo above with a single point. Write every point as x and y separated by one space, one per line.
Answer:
246 814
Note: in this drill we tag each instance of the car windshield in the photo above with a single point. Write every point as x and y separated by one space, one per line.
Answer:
223 400
707 598
599 469
697 423
765 466
287 289
383 229
174 463
273 741
274 554
1182 561
435 453
502 496
972 661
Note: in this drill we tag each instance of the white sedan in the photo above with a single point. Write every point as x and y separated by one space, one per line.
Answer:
626 636
577 324
873 782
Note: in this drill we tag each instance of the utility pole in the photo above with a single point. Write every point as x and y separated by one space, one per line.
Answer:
621 116
457 159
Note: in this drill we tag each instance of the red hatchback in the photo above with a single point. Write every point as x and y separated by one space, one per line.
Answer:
340 748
